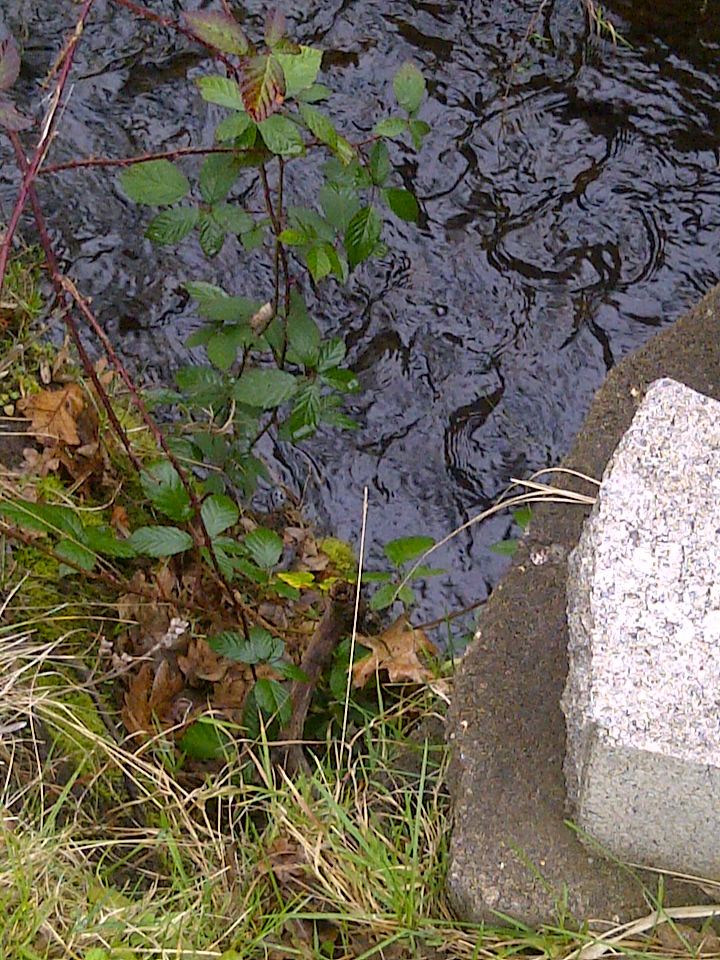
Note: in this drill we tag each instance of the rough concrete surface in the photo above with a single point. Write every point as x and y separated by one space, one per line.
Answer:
511 850
641 700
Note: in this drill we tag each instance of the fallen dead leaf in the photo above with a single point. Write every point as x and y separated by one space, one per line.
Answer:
396 650
679 936
54 414
136 713
202 663
120 522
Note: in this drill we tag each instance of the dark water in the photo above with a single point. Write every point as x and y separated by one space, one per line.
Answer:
570 198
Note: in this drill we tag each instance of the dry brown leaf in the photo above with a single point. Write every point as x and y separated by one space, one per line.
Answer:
40 464
230 694
284 858
136 713
120 522
679 936
54 414
396 650
202 663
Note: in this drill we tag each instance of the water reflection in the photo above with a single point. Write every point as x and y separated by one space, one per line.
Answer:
569 196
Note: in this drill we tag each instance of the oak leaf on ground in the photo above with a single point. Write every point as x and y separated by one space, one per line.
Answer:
54 414
397 651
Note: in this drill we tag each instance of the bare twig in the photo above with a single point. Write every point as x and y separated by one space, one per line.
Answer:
45 139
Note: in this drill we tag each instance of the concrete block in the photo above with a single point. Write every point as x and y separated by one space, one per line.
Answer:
642 699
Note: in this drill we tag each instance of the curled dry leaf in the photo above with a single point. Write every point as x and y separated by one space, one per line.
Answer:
397 650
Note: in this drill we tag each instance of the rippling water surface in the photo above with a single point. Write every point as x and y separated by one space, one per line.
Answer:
570 198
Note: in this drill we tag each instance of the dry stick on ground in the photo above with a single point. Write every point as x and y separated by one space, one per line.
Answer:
336 620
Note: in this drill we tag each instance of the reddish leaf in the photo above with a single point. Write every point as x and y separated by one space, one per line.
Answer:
262 87
11 119
218 30
9 63
274 27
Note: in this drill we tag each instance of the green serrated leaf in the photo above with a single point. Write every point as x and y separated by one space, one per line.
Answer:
203 385
409 86
204 292
379 164
311 223
306 412
315 93
102 540
362 236
522 517
391 127
340 203
404 549
289 670
273 699
218 30
238 127
264 546
160 541
282 136
506 548
259 647
345 151
155 183
219 513
318 124
265 388
75 553
172 226
332 352
212 235
233 218
221 350
201 336
253 239
230 309
303 333
319 262
294 237
418 130
164 489
43 518
262 86
252 571
286 591
402 203
336 418
343 380
206 739
218 175
383 597
423 571
300 69
221 90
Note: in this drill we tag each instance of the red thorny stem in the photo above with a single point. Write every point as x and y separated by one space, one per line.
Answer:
44 143
68 293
